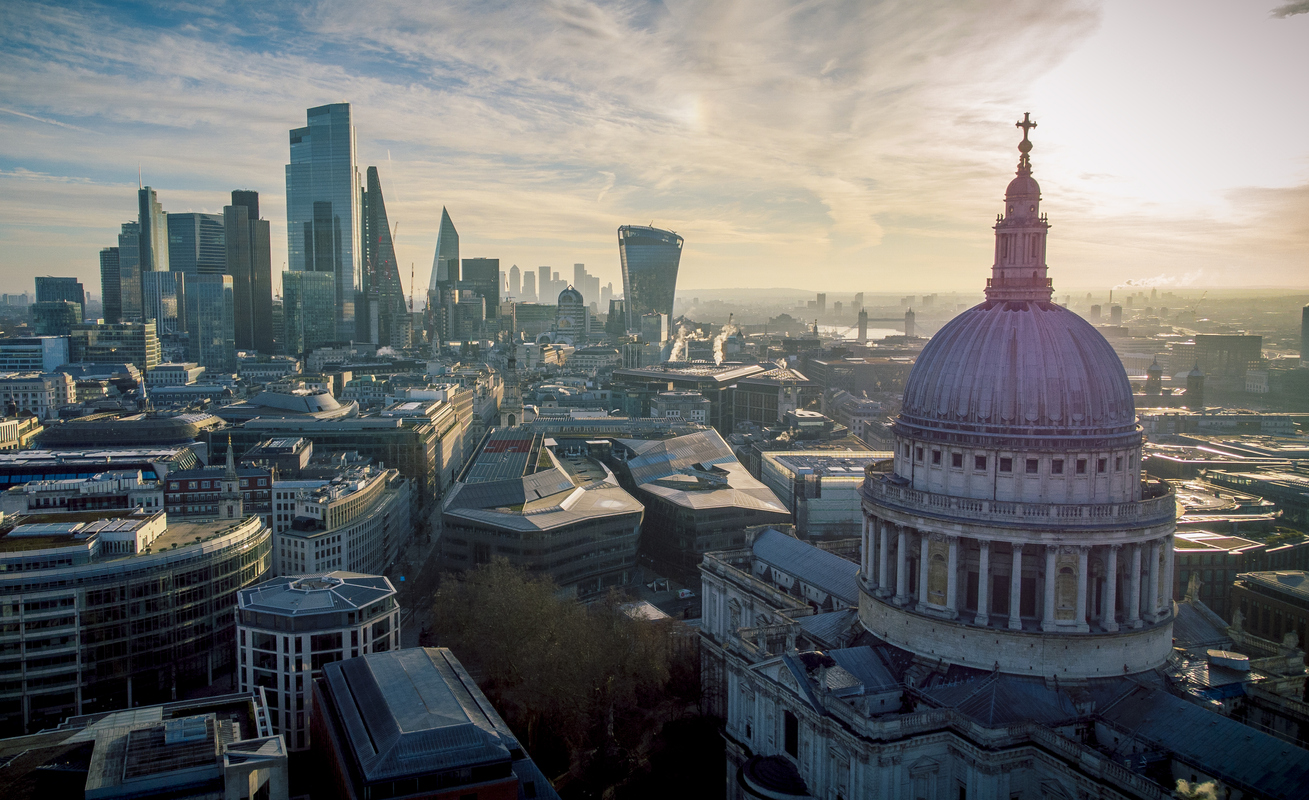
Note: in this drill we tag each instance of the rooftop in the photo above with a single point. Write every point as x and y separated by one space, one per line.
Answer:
1291 582
808 564
315 594
848 464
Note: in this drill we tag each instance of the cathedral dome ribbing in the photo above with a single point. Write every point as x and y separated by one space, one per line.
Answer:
1019 368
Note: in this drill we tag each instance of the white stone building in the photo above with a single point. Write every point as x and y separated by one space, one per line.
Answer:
288 628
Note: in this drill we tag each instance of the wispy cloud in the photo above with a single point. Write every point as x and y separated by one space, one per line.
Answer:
852 143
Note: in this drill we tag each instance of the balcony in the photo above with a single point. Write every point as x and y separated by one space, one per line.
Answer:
1159 506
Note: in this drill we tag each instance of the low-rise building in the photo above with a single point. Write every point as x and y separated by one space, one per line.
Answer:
176 373
561 514
691 406
185 750
111 609
23 467
370 713
40 394
595 359
289 628
113 489
196 492
1273 603
33 353
17 433
356 521
263 369
135 342
820 488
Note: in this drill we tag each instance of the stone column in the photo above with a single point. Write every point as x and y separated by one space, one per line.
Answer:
952 579
865 550
1047 615
1016 590
1152 584
1109 603
924 553
1169 561
902 566
1083 563
1134 589
883 560
983 584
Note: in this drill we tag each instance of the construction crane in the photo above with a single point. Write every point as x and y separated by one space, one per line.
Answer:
1197 303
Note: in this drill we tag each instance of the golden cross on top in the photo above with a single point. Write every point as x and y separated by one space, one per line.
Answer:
1026 124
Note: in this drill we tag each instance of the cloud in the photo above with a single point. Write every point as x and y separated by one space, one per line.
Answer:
1291 9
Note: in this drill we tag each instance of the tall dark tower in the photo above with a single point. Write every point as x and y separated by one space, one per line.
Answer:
1195 389
1304 336
863 326
909 328
1154 379
249 262
383 315
650 259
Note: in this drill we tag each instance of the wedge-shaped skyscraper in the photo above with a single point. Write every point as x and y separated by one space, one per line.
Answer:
384 318
650 259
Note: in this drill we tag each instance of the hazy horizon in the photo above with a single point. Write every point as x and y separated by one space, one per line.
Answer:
865 147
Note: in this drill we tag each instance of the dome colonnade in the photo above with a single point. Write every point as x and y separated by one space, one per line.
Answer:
1016 531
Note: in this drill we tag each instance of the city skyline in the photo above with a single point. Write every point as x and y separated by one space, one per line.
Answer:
866 153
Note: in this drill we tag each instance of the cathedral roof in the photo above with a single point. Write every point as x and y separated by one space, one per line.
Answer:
1033 365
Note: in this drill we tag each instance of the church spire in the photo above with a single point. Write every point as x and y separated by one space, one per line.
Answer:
231 462
1019 270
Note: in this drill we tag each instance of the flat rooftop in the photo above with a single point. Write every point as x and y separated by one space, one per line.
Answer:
506 455
834 464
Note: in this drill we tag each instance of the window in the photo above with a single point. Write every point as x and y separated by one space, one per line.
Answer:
1101 464
791 734
1006 464
918 454
1057 466
936 456
979 462
1118 463
906 451
1081 466
1032 466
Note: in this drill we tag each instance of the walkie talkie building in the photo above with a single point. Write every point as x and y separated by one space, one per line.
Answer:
650 258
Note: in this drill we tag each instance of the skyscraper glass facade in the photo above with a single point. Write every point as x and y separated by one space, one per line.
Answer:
307 299
386 312
445 264
69 289
650 258
164 299
481 276
153 231
210 317
196 244
129 272
248 259
111 288
322 206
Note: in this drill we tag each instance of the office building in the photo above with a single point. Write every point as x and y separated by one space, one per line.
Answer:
129 272
383 316
572 322
210 314
33 353
481 276
372 712
698 497
654 327
587 284
690 406
529 287
70 289
24 467
356 519
111 285
322 207
175 374
247 257
163 301
765 397
197 244
54 317
716 382
307 311
202 749
560 514
40 394
74 583
445 262
650 258
106 343
330 617
515 282
153 230
820 488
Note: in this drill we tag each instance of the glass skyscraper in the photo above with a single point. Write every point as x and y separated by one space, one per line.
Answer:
248 260
153 231
481 276
70 289
197 244
307 302
210 317
129 272
385 312
445 264
164 301
650 259
111 285
322 207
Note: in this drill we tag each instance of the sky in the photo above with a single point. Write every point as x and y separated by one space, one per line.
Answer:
826 146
